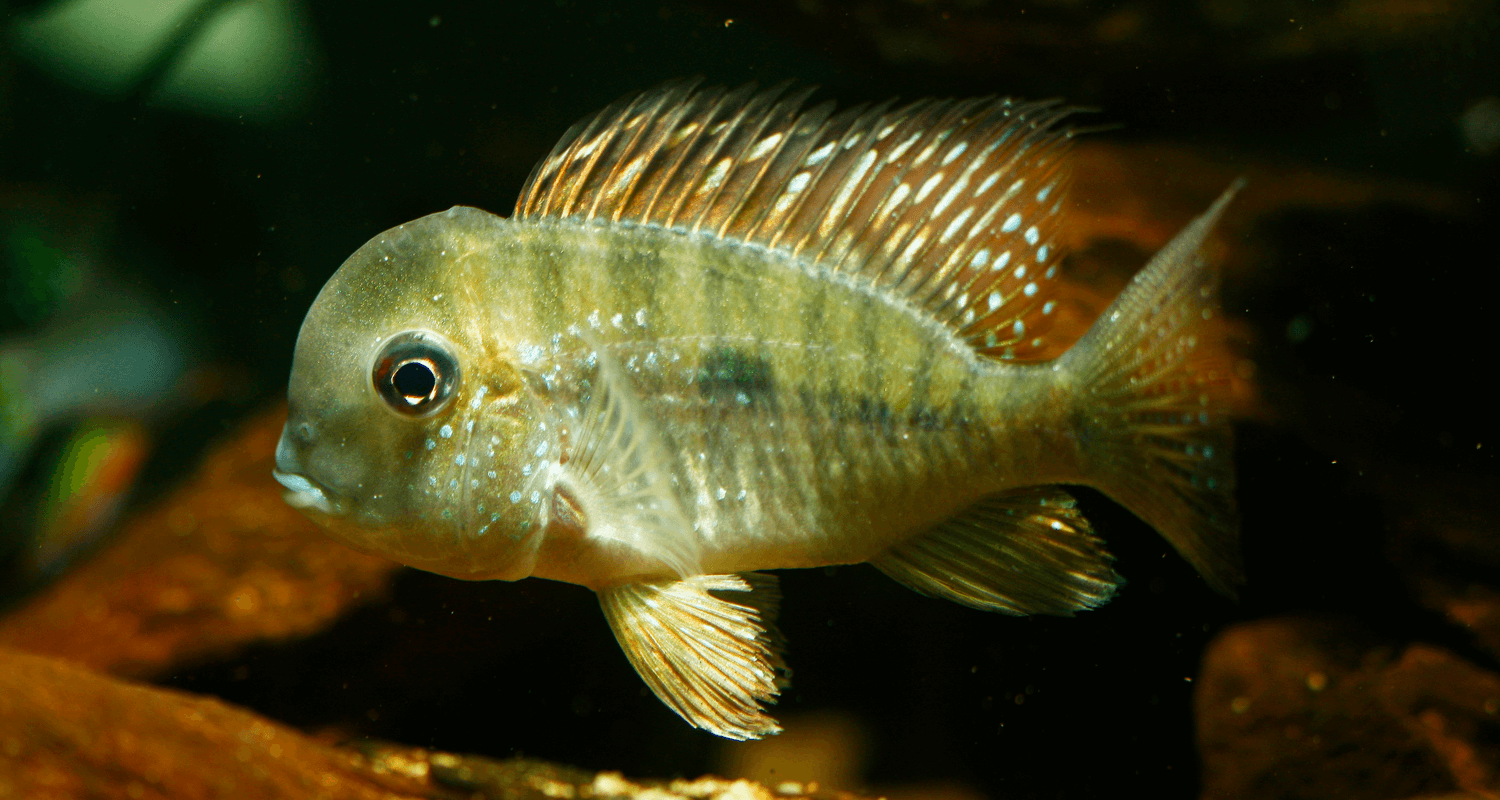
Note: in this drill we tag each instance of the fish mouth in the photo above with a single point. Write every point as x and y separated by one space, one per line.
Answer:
305 494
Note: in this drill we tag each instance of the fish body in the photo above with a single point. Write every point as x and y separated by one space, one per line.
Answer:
722 335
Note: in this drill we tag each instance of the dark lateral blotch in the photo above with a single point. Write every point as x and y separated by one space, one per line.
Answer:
728 373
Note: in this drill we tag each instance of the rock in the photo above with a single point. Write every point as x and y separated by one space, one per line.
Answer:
67 732
1318 707
216 564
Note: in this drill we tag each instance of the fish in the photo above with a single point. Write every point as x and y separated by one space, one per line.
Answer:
725 332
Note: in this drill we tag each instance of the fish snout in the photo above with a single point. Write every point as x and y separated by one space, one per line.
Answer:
302 492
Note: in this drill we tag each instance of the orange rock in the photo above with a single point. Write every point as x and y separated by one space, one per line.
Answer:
216 564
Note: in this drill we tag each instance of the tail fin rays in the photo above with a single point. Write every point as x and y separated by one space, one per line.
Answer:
1155 418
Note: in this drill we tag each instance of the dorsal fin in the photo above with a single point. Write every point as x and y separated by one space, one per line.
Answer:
949 205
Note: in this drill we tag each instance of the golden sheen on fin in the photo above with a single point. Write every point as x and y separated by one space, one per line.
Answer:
1157 430
715 662
1028 551
950 206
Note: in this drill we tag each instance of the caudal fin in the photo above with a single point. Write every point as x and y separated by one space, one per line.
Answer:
1154 420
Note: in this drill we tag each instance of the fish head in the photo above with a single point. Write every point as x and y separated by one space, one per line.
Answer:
410 429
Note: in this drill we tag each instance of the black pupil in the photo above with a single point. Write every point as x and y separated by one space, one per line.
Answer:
415 381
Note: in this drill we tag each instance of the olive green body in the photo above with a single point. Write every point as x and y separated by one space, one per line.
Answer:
806 420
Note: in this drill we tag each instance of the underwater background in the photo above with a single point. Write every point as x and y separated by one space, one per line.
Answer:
179 178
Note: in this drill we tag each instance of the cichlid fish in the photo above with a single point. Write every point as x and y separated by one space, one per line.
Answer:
723 334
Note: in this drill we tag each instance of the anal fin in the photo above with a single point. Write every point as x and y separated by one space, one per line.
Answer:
716 662
1027 551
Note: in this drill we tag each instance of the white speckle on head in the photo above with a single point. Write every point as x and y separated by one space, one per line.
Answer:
884 132
1030 290
798 182
980 258
1057 525
431 444
594 319
1051 272
1012 224
453 483
720 494
446 431
1032 235
541 450
1001 261
618 321
740 496
1020 272
1041 194
437 297
469 426
956 151
1041 254
460 459
995 300
527 469
1049 306
536 497
640 317
515 497
1018 328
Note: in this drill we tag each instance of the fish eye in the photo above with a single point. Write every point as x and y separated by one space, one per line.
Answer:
415 373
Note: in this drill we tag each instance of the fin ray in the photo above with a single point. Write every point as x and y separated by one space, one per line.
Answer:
1027 551
716 662
620 475
1160 383
948 206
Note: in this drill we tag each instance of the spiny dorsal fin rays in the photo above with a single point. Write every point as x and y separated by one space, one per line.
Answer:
948 206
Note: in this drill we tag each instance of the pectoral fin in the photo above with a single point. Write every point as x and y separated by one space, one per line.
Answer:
619 476
714 661
1022 552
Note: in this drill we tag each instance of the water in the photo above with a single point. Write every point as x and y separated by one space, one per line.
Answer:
1356 265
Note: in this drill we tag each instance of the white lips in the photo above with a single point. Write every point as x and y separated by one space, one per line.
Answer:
302 493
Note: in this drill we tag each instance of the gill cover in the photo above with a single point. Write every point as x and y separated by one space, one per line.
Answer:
407 418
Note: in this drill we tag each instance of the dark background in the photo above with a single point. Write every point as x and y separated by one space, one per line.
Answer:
234 224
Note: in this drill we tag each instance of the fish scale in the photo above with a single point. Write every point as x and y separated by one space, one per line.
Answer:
720 428
723 334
